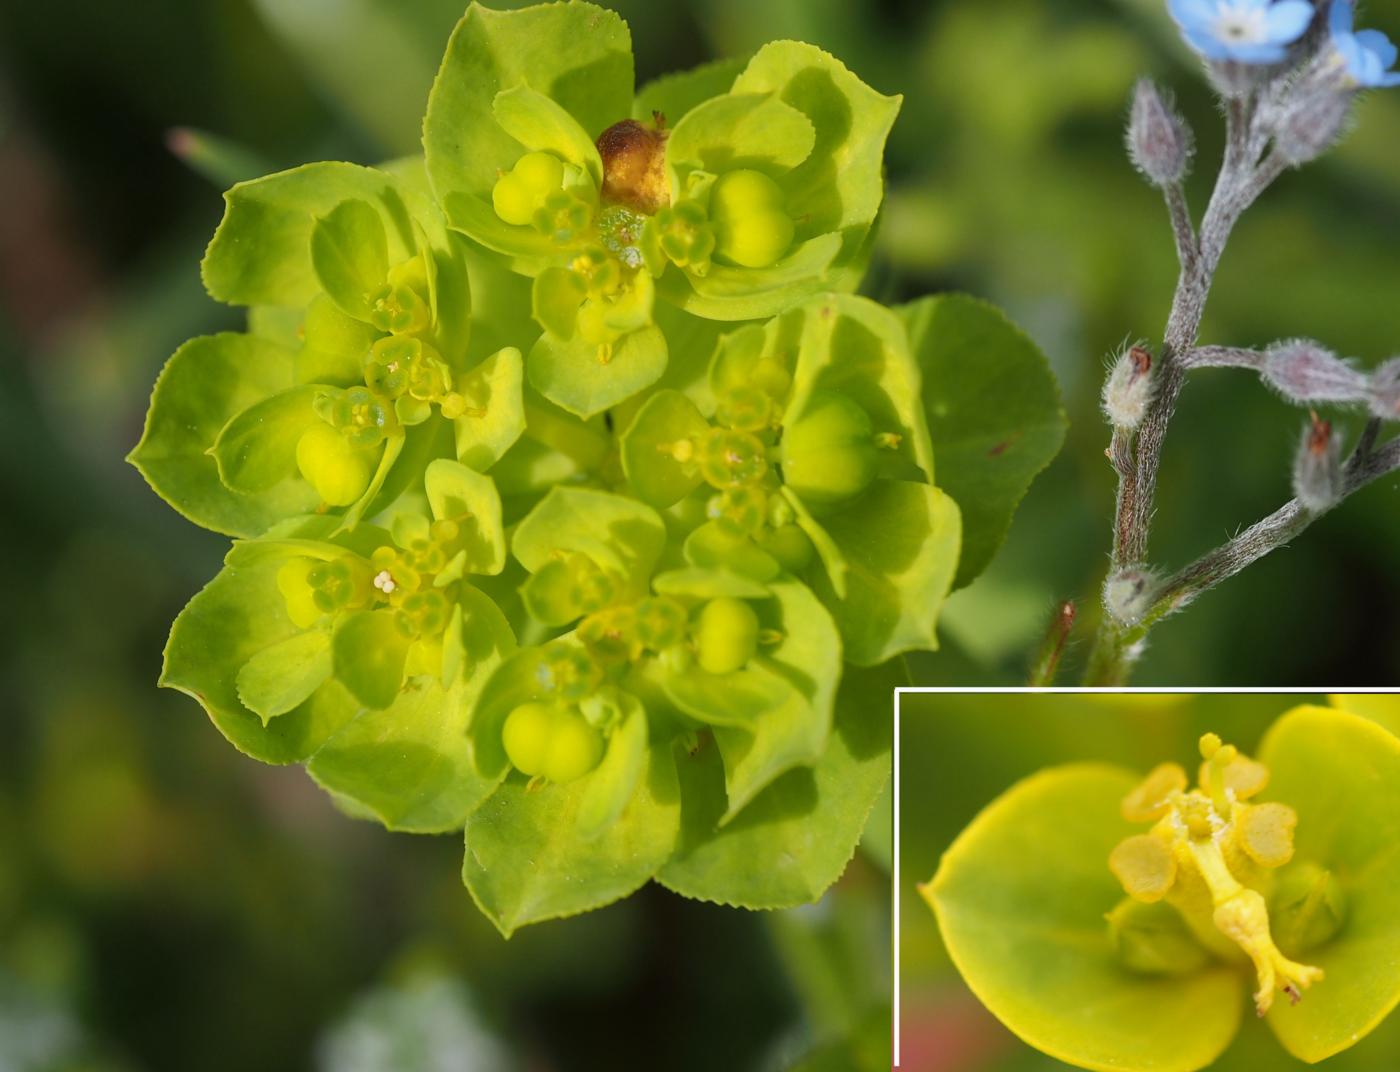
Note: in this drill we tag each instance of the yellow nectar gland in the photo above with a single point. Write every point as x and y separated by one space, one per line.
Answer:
1203 842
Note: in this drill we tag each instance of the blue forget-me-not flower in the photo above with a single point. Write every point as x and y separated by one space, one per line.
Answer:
1242 31
1368 54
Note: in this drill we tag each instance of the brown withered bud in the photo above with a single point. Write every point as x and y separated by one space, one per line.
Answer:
634 165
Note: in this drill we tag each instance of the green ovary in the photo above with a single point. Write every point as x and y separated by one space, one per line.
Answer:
829 453
551 742
521 192
748 212
1206 853
338 470
726 635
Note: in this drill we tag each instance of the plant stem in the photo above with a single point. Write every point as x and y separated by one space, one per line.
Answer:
1366 464
1137 458
1047 660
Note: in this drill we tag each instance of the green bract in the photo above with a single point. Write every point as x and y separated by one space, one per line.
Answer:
755 190
578 503
1295 895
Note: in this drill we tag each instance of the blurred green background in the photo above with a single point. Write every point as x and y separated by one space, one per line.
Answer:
958 754
165 904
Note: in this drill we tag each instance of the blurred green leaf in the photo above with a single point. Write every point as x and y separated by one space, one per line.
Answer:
374 59
994 415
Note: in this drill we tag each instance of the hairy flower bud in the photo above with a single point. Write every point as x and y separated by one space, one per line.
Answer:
1384 393
1128 593
1304 371
1159 141
1317 470
1128 389
1310 118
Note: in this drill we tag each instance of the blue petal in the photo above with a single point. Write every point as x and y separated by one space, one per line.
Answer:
1375 42
1260 53
1390 80
1340 18
1193 14
1371 70
1288 19
1350 51
1209 47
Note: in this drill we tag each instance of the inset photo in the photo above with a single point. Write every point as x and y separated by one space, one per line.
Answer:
1147 882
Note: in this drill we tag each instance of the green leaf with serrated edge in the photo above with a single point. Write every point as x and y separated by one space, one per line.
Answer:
410 765
1341 773
496 416
725 293
619 534
350 256
370 653
542 125
900 545
578 55
857 348
204 384
525 861
751 130
993 410
804 826
238 614
1021 897
285 674
261 252
652 471
833 559
840 186
463 495
614 781
692 583
673 95
571 375
257 449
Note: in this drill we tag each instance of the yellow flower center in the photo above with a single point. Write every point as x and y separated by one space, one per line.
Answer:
1206 851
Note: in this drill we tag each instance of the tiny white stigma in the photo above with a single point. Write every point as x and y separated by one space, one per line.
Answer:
384 581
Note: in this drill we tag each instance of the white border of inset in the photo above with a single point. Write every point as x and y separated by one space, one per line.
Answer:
1017 690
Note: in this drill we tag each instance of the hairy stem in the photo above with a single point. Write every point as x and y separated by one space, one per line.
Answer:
1137 458
1366 464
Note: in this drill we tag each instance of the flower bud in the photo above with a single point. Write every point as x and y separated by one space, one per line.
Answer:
1384 392
1317 470
338 470
1128 593
1159 141
726 635
751 224
552 742
829 453
520 192
1310 119
1304 371
1128 389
